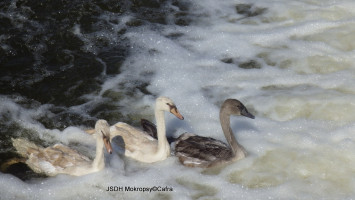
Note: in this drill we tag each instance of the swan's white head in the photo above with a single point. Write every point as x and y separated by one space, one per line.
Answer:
102 129
166 104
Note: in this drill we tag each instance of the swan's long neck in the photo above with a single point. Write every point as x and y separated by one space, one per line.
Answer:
237 149
99 161
163 145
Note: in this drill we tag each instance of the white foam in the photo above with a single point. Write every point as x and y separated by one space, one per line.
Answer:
301 144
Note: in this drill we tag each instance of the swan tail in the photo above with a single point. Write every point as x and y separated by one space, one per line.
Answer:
24 147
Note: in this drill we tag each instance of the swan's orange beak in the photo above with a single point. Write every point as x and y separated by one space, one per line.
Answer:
175 112
108 145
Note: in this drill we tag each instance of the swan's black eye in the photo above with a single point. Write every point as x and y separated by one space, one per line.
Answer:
103 134
171 106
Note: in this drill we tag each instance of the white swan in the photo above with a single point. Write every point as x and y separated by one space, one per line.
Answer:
139 145
60 159
198 151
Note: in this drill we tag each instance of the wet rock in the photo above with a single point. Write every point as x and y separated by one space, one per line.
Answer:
251 64
248 10
227 60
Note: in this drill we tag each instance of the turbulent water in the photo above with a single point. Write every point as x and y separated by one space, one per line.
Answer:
65 64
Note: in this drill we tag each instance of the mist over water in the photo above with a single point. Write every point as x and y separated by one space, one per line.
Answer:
63 65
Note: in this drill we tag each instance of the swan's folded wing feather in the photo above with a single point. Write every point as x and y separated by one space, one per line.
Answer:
56 159
202 150
133 139
129 132
71 153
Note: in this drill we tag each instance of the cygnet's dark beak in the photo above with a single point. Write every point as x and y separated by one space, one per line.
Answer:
245 113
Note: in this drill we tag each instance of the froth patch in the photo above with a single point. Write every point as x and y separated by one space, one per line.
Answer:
294 168
312 103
